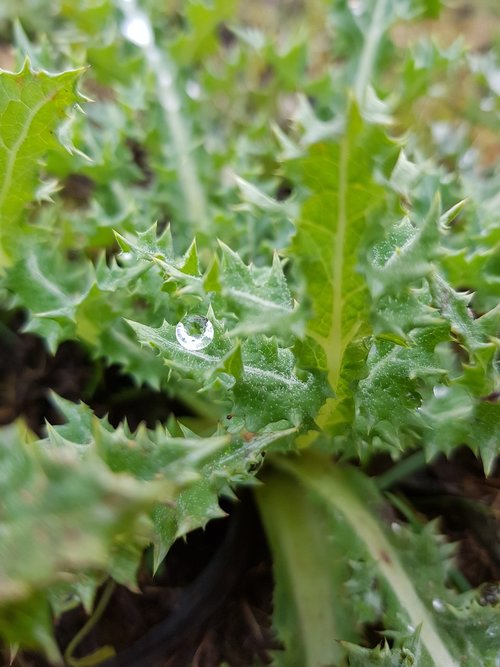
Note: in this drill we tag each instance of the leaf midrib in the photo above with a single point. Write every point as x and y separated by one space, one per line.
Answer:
334 349
14 150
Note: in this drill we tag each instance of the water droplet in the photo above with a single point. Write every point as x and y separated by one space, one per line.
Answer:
356 7
137 30
396 527
438 605
165 78
440 391
193 90
487 104
194 332
126 256
410 629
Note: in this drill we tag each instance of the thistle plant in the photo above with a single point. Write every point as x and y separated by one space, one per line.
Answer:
306 258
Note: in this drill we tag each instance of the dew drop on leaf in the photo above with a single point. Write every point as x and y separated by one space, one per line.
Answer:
137 30
193 89
194 332
438 605
356 7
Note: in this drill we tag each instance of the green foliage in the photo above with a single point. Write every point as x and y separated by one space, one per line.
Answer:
101 495
352 295
331 231
398 572
32 105
261 374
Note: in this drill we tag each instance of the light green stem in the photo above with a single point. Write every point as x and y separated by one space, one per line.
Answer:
102 653
170 102
369 52
332 484
305 604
